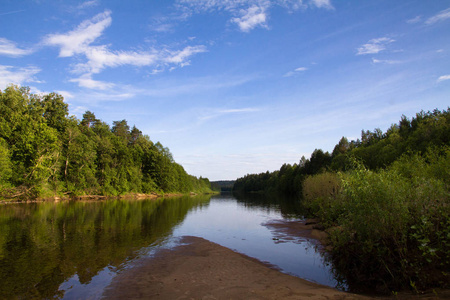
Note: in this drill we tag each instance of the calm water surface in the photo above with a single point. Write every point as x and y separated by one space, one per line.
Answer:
72 250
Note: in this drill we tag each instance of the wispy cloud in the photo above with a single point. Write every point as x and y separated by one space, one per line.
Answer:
197 85
86 81
247 14
252 17
414 20
443 78
87 4
385 61
9 48
99 57
374 46
441 16
11 12
65 94
221 112
322 4
19 76
296 71
163 23
181 57
78 40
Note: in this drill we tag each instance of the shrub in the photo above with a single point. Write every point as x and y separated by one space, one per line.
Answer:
393 228
320 196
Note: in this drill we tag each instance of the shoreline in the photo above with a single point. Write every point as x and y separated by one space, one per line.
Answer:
131 196
199 269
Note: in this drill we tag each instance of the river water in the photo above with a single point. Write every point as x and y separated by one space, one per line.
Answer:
72 250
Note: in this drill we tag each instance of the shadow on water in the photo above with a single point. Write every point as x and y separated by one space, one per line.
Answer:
289 207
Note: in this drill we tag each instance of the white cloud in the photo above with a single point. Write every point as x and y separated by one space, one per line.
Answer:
12 12
86 81
65 94
78 111
9 48
322 4
77 41
247 14
415 20
239 110
210 5
292 73
180 57
88 4
18 76
443 78
385 61
109 96
220 112
252 17
99 57
441 16
162 27
374 46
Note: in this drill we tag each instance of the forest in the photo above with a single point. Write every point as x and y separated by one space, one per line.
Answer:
384 201
44 152
375 149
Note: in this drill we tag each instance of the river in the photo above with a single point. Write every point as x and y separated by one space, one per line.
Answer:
72 250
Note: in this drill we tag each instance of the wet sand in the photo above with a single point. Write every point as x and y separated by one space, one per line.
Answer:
200 269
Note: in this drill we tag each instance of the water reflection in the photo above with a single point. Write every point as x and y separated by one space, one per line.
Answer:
72 250
288 207
241 225
43 245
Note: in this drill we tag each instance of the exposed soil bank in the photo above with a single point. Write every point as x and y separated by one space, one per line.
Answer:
199 269
131 196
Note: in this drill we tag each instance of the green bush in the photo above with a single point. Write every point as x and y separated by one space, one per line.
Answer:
392 226
320 194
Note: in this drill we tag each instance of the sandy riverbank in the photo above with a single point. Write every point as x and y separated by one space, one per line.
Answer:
199 269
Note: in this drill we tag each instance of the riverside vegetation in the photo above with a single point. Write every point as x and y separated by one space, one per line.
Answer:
46 153
384 200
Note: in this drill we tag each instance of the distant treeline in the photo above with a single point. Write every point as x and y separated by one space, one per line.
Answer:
44 152
222 185
375 149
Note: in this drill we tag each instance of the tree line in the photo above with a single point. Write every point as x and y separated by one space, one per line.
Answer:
375 149
383 200
45 152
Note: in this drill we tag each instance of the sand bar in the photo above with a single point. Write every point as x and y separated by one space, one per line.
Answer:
200 269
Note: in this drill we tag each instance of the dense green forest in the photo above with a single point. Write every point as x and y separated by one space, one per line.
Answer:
374 149
45 152
384 200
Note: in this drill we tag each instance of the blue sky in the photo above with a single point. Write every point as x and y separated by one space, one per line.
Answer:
234 86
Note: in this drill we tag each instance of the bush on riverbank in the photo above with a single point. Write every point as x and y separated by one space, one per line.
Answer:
392 225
